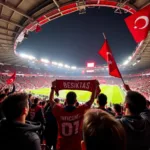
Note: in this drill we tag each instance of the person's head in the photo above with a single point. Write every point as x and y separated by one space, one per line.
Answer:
102 100
102 131
2 97
16 106
134 103
117 109
71 98
56 100
43 103
36 101
6 90
30 96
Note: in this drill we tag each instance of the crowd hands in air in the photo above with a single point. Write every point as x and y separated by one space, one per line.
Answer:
29 123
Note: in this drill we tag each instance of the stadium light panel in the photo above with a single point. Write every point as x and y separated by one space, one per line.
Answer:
67 66
134 64
54 63
90 64
126 62
60 65
89 71
129 58
73 67
44 60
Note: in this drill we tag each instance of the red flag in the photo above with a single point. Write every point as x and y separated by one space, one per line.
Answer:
11 79
139 24
38 29
106 53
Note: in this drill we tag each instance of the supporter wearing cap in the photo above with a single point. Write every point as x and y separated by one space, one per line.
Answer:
137 128
15 132
102 131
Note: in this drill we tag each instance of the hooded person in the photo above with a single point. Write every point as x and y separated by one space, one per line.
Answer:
137 128
15 132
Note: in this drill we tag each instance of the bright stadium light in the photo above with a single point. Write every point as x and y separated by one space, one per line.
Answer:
67 66
129 58
73 67
31 57
89 71
24 55
90 64
60 65
134 64
44 60
138 61
126 62
54 63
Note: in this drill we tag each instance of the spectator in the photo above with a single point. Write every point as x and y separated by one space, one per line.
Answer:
137 128
2 97
36 112
118 111
69 120
15 132
6 91
102 101
102 131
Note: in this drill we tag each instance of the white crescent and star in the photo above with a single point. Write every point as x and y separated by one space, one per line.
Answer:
145 18
109 62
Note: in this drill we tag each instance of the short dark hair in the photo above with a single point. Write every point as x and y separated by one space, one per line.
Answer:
136 102
14 104
102 99
30 95
102 130
71 98
36 100
117 108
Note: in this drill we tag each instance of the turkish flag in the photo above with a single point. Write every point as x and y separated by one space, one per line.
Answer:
106 53
38 28
139 24
11 79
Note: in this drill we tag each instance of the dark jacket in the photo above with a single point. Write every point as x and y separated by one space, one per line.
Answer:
36 114
137 131
18 136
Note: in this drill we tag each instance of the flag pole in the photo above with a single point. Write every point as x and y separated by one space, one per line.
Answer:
104 36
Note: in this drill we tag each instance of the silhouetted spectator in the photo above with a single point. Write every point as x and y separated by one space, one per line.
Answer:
137 128
6 91
118 111
15 132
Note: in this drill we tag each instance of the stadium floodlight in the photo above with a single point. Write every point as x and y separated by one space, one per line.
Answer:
31 57
129 58
134 64
44 60
89 71
60 65
90 65
73 67
67 66
126 62
54 63
24 55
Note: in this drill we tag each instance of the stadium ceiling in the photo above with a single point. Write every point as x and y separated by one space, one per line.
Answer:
18 17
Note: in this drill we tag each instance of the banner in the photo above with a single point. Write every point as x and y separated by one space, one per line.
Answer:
86 85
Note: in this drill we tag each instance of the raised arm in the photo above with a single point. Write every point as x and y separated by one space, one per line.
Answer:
93 96
51 97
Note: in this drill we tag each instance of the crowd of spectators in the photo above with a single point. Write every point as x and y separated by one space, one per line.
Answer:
28 122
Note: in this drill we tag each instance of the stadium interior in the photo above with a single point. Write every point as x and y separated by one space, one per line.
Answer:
18 18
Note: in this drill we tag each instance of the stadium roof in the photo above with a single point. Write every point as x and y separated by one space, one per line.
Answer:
18 17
